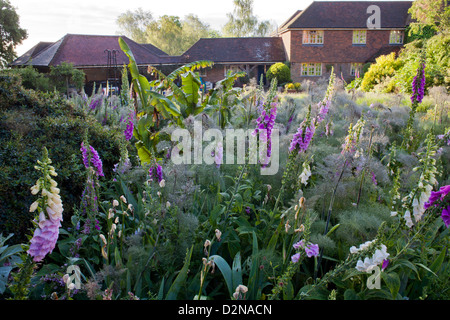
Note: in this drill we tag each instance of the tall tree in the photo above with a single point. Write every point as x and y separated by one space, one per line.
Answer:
193 29
10 33
243 23
432 12
133 24
169 33
165 33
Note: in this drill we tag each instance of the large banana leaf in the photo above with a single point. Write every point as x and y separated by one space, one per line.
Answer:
192 66
190 86
149 98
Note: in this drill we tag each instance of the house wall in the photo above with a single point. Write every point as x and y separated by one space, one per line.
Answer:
214 73
217 73
95 74
286 38
337 50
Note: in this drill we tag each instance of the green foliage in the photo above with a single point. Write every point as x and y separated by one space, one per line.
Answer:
64 76
279 71
9 258
168 33
437 60
293 86
431 12
12 33
30 120
228 232
242 22
33 79
384 67
133 24
417 31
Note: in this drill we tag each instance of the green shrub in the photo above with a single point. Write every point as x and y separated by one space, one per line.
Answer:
279 71
33 79
29 121
385 67
65 76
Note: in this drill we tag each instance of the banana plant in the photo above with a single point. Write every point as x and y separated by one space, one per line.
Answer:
179 104
154 108
186 97
220 100
9 257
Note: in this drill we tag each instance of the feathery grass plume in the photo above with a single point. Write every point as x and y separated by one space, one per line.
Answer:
49 207
360 224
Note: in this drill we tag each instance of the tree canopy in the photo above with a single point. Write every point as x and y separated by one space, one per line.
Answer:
243 23
10 33
431 12
171 34
174 35
134 23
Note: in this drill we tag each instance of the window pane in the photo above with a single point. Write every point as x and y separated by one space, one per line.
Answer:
312 36
359 36
396 37
311 69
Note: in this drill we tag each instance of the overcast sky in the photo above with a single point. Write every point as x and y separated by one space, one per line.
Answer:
50 20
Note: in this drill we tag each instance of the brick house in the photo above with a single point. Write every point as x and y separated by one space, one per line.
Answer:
252 55
326 34
98 56
336 33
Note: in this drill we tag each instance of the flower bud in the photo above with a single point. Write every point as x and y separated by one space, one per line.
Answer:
34 206
218 234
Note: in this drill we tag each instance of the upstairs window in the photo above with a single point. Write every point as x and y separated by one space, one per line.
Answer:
396 37
312 36
311 69
359 36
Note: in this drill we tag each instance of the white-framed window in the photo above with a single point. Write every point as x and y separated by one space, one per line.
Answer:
311 69
312 36
359 36
396 37
355 69
227 69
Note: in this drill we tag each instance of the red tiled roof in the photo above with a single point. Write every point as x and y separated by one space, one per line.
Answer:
30 54
350 14
269 49
89 51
